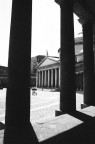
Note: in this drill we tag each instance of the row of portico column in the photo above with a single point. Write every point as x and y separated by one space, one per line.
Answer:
67 60
48 78
79 81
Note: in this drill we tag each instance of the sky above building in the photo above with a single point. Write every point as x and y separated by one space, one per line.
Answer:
45 28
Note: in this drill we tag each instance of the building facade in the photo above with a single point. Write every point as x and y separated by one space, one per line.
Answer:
48 73
3 76
79 63
48 70
34 62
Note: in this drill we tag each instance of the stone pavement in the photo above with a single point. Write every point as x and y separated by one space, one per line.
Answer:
56 126
42 114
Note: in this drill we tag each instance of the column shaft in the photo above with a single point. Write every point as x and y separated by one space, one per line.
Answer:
48 78
94 53
45 79
88 83
67 58
55 77
39 79
36 78
51 77
59 77
18 91
42 78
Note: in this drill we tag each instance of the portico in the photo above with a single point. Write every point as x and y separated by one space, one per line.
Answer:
67 59
48 73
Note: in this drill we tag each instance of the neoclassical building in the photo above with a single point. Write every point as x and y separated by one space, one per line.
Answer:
79 63
48 73
34 62
48 70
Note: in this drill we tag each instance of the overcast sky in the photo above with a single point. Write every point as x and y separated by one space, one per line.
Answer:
45 28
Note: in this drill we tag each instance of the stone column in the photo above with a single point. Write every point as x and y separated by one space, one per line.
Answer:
39 78
36 78
51 77
17 118
45 79
94 52
59 76
18 92
88 84
55 77
48 78
82 81
42 78
67 59
77 82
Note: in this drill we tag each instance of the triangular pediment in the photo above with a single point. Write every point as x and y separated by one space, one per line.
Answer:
47 61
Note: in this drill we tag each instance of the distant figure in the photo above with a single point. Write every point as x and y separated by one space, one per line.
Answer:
46 52
34 91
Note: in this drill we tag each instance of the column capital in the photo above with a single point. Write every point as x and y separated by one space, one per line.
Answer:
59 2
63 2
82 13
84 20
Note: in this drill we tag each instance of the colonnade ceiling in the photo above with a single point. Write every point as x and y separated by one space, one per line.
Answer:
91 4
84 9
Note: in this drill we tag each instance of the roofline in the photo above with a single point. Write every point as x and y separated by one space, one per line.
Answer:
40 62
44 59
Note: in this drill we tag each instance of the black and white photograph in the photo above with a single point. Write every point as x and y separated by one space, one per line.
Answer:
47 71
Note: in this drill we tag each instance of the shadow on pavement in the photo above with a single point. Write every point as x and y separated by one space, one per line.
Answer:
20 135
82 134
2 126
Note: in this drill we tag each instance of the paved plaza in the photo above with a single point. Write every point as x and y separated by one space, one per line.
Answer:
43 105
42 113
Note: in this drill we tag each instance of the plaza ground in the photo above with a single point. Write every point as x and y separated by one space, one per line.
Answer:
44 122
43 105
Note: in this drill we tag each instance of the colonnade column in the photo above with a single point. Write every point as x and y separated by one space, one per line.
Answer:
48 78
39 79
51 77
94 51
17 118
18 92
55 77
88 81
59 77
67 58
42 78
36 78
45 79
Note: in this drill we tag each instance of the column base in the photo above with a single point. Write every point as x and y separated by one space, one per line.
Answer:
76 114
84 106
58 113
18 135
